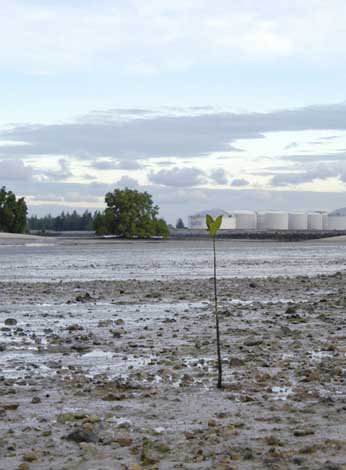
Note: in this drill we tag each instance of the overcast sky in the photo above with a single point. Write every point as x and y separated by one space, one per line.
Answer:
231 104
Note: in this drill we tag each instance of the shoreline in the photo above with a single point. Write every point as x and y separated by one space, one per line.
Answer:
275 237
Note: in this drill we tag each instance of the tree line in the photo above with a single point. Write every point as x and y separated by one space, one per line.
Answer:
129 213
63 222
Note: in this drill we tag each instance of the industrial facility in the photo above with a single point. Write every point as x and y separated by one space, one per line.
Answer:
272 220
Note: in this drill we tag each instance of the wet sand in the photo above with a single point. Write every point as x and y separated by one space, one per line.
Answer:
121 374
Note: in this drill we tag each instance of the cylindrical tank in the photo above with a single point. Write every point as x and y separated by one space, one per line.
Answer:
336 222
297 221
315 221
228 222
276 220
245 220
261 220
324 220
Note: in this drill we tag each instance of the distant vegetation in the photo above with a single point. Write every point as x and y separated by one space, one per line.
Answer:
12 212
130 213
180 223
63 222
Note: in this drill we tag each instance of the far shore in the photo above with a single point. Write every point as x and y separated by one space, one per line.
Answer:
80 239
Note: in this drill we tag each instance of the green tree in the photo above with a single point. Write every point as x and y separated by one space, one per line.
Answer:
130 213
180 223
13 212
213 227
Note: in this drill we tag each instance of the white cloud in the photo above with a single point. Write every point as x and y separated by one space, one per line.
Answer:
14 170
46 37
178 177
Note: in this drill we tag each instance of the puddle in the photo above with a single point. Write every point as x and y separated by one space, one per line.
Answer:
281 393
319 355
48 333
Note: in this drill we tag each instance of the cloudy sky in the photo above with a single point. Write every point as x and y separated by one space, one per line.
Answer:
231 104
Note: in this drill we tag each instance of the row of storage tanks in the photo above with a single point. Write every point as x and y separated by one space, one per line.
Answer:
271 220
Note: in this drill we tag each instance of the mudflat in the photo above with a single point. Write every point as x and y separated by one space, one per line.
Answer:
121 374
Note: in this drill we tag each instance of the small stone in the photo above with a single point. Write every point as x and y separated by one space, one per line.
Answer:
303 432
236 362
81 435
124 440
273 441
30 457
10 321
36 400
23 466
11 406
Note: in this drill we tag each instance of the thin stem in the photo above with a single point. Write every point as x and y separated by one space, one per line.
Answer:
219 360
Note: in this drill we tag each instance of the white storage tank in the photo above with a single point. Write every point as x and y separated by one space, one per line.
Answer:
261 220
315 221
276 220
324 220
245 220
198 221
336 222
297 221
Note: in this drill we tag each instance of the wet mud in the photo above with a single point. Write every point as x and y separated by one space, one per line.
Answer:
122 375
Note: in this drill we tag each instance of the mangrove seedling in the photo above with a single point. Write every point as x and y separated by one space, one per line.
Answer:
213 227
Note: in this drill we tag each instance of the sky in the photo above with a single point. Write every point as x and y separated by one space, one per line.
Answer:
237 105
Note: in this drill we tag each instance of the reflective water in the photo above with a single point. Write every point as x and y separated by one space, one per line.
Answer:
167 259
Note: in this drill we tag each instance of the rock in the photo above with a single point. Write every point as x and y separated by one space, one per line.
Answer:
114 397
74 327
10 406
10 321
23 466
36 400
303 432
273 441
124 440
81 435
30 457
236 362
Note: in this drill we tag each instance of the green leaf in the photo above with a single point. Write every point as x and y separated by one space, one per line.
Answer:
210 222
213 225
217 223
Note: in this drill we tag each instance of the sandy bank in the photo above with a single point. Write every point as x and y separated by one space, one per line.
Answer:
21 239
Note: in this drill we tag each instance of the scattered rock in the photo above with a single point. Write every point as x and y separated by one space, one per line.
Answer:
82 435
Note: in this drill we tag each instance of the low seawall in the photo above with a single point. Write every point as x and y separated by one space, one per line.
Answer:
279 235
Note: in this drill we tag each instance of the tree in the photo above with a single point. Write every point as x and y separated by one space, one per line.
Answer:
130 213
180 223
213 227
13 212
64 221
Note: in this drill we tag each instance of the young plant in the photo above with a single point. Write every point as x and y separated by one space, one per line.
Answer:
213 227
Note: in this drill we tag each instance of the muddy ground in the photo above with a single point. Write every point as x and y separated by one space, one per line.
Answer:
121 375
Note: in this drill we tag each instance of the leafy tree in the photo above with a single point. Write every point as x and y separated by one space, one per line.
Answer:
12 212
180 223
213 227
130 213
